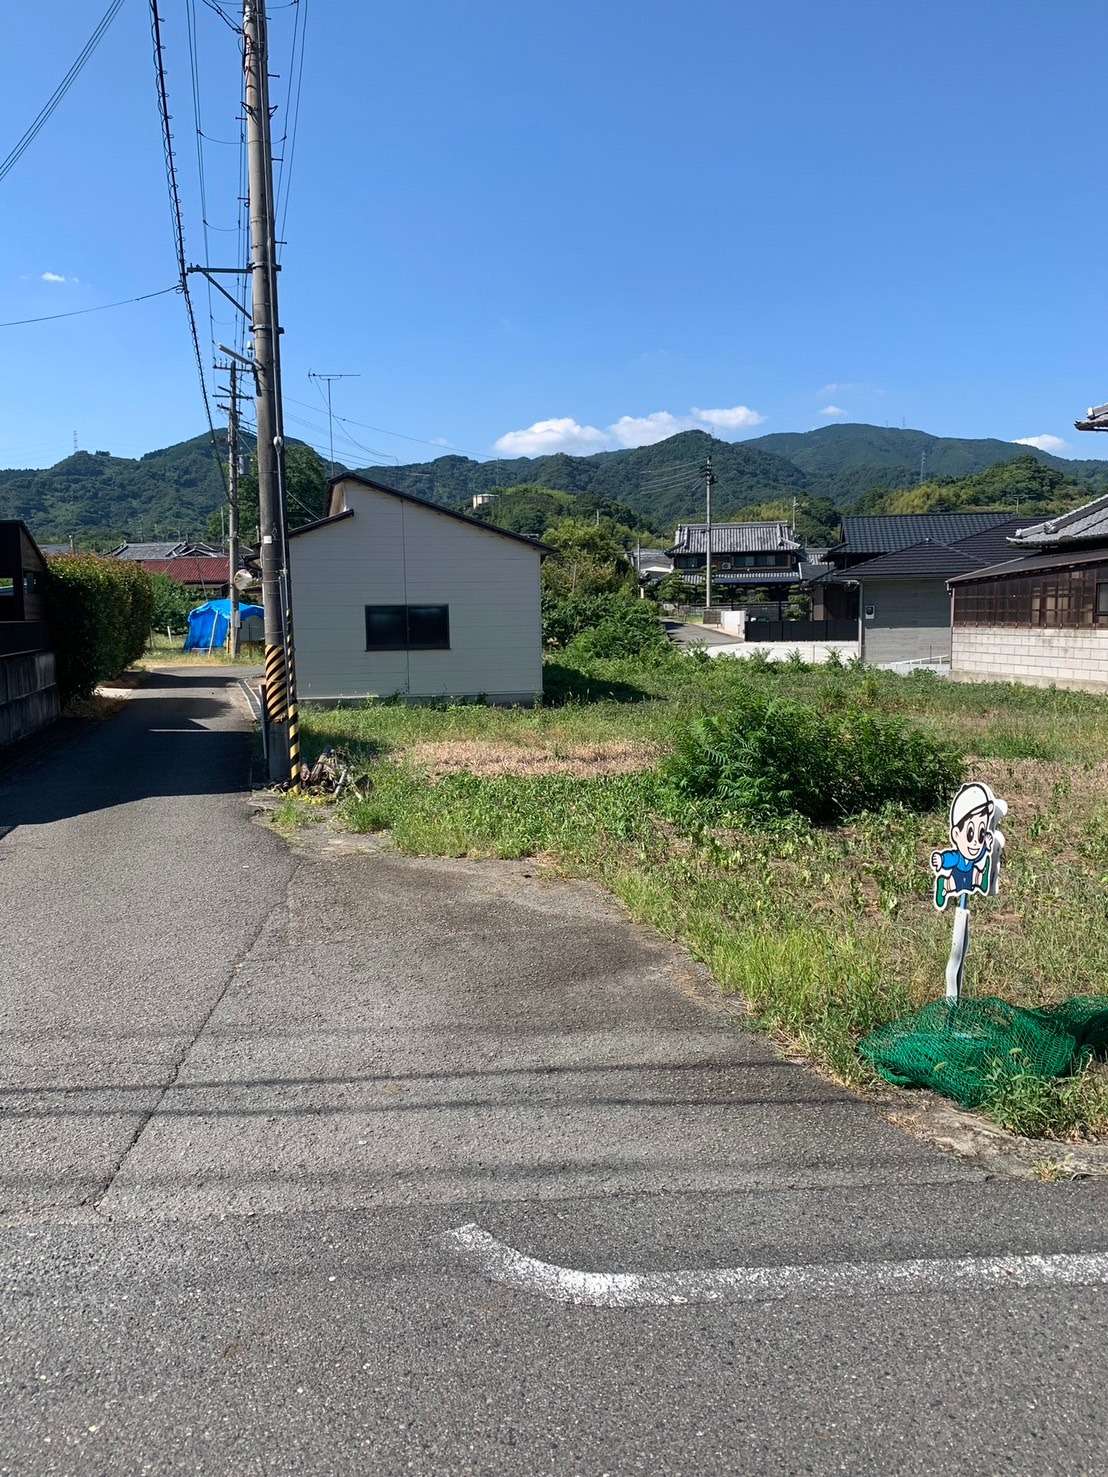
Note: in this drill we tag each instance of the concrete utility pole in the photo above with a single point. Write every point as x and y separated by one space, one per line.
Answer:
280 672
233 508
709 480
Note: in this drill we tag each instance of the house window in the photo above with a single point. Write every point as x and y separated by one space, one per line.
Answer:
7 585
407 628
1102 601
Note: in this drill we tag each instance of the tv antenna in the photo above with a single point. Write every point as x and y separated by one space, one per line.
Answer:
328 379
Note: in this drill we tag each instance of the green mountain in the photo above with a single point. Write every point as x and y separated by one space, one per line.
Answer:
99 498
661 483
848 461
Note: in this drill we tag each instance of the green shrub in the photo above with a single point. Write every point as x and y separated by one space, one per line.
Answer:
172 603
629 628
99 611
768 757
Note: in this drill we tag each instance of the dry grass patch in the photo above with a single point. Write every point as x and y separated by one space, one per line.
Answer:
492 760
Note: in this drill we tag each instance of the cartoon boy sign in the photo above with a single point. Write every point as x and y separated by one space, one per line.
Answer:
973 865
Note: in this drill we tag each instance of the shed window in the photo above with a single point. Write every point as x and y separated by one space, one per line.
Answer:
407 628
7 585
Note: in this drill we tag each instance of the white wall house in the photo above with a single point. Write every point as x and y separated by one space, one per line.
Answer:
395 596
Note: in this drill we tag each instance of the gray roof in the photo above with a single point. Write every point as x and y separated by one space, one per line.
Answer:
733 538
922 559
884 533
656 560
1088 522
50 550
149 551
746 576
421 502
1029 563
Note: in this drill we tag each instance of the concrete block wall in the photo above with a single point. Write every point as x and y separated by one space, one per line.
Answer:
1040 658
28 694
779 651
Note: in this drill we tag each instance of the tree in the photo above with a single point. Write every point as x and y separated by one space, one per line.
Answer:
305 489
172 603
588 560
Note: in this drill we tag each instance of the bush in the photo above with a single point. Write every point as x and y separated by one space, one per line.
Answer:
172 603
99 611
767 757
630 628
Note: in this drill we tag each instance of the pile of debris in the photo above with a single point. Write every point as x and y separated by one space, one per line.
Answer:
331 776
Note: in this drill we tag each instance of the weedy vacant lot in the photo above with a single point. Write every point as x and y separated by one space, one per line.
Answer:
825 931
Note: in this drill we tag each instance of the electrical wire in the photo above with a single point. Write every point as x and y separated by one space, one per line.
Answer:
179 229
284 173
101 308
35 127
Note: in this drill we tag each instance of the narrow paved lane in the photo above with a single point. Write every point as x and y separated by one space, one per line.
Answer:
247 1093
129 887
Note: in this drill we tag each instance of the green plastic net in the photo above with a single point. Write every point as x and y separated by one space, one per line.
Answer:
959 1049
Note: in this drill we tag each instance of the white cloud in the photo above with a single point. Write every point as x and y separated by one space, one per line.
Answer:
644 430
833 412
735 418
563 433
1044 442
57 277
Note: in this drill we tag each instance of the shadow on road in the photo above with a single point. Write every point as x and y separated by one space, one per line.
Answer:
179 734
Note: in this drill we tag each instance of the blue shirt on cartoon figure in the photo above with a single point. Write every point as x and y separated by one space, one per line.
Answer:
971 829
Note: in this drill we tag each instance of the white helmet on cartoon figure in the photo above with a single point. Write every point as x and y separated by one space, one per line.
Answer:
970 798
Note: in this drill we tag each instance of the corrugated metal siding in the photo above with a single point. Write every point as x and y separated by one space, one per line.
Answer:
911 621
394 552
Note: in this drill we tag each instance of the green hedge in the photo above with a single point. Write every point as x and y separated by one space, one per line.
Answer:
100 612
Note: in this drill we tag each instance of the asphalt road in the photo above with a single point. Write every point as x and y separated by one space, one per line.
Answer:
248 1092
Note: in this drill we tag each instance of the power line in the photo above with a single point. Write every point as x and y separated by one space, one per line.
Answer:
179 229
284 172
102 308
35 127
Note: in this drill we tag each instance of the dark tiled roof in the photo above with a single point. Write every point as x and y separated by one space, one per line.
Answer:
744 577
1029 563
922 559
1090 521
149 551
733 538
884 533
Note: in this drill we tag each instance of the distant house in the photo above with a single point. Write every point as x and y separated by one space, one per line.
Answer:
1039 616
745 557
200 567
890 573
171 549
651 565
396 596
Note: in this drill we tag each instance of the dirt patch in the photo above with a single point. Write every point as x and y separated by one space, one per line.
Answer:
584 760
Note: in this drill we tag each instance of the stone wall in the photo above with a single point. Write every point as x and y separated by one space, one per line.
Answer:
1041 658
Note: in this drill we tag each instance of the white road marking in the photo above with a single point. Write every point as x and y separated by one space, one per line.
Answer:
502 1263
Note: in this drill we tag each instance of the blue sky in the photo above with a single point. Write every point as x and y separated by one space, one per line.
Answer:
604 221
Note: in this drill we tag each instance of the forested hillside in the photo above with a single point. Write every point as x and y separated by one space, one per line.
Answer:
99 498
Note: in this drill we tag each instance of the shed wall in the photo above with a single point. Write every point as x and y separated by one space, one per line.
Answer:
911 620
394 552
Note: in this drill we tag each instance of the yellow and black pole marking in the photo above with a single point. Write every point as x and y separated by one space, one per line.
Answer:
293 718
276 687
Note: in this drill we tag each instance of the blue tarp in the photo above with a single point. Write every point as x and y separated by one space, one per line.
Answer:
208 625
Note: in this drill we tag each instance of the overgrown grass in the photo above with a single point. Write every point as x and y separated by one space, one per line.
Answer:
826 933
165 651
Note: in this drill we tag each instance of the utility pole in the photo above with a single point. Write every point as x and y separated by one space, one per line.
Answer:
234 467
709 480
280 671
328 379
